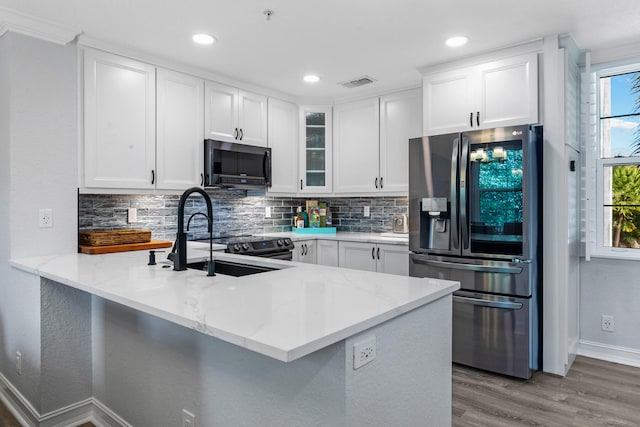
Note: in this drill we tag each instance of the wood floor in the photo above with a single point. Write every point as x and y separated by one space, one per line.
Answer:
594 393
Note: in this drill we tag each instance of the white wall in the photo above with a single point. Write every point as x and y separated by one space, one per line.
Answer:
555 214
38 162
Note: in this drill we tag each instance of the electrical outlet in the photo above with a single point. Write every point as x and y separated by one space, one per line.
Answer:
188 419
45 218
267 212
364 352
367 211
132 215
19 362
607 323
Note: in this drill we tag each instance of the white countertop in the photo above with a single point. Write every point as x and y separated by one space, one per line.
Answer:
285 314
390 238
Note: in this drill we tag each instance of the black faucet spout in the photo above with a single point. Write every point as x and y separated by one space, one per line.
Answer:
180 260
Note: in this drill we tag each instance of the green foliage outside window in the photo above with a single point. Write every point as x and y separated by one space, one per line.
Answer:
625 203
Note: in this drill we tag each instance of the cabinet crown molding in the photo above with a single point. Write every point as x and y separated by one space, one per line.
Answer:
32 26
520 49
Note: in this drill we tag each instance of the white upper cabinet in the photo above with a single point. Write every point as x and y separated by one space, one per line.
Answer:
119 122
234 115
283 141
316 150
252 118
372 143
494 94
221 112
356 141
447 101
508 92
400 118
180 130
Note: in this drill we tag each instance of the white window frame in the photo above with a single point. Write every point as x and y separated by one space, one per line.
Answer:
599 250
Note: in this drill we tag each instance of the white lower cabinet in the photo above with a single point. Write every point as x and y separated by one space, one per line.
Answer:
327 252
305 251
393 259
383 258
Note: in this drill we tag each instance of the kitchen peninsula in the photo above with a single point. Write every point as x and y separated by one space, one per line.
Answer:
273 348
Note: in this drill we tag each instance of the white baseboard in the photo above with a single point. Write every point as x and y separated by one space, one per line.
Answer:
610 353
88 410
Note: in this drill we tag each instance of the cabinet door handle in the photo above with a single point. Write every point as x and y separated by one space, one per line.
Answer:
471 119
301 184
235 134
376 182
378 253
478 118
201 179
381 185
373 253
241 134
153 177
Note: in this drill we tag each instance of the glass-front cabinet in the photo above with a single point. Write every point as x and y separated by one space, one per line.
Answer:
315 152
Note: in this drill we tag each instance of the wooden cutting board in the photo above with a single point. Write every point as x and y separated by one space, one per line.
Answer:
108 249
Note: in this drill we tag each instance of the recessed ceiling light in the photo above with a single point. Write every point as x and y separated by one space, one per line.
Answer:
457 41
203 38
311 78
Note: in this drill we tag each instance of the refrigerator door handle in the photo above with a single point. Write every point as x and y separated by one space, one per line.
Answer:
464 222
469 267
488 303
455 225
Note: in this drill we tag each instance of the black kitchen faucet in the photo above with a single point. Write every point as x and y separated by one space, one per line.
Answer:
179 252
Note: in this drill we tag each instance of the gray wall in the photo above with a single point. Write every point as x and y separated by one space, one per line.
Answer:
234 213
611 287
148 370
38 163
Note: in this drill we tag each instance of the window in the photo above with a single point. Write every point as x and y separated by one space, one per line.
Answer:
618 164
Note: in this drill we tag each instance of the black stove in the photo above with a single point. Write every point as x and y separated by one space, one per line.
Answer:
268 247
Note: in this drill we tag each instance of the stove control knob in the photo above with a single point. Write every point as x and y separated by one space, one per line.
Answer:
280 242
287 242
236 248
245 247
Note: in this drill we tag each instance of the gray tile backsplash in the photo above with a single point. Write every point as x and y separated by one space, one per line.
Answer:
234 213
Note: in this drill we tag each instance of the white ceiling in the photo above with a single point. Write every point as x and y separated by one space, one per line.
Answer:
338 40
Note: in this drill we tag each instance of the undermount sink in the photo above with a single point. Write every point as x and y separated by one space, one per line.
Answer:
229 268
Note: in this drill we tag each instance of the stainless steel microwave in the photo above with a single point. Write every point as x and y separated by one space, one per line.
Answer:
232 165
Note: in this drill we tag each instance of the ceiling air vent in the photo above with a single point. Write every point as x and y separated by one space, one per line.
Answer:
360 81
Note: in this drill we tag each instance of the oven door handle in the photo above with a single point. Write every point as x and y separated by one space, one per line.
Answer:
488 303
469 267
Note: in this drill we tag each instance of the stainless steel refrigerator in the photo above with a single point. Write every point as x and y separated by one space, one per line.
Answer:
474 217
